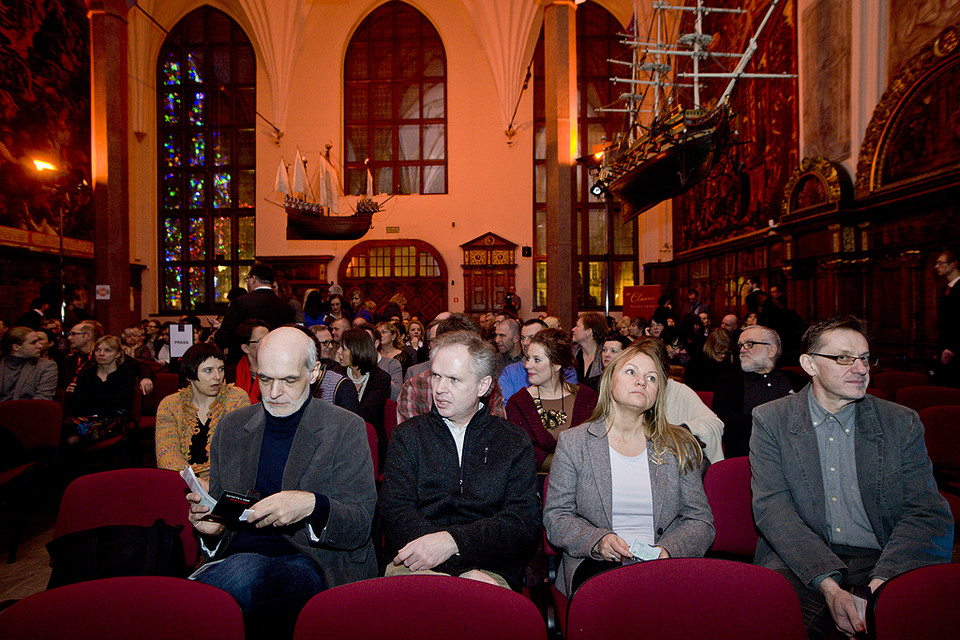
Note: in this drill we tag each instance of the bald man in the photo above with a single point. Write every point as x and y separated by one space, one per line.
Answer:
308 464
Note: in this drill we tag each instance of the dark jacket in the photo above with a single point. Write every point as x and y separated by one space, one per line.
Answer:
373 405
489 504
259 304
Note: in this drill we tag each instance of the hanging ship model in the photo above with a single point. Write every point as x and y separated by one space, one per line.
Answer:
313 207
680 146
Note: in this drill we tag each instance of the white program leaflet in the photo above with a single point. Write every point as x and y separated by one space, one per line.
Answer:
195 487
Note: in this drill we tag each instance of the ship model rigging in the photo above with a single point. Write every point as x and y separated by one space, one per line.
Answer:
680 146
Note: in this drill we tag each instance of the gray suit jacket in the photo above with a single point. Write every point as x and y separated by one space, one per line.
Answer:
910 518
579 506
37 380
330 455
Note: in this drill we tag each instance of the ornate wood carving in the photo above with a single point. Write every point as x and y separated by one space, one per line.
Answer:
817 181
915 127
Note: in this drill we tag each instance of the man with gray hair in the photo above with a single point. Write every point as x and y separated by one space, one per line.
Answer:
459 494
756 382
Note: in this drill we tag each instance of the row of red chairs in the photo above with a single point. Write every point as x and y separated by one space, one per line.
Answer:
697 598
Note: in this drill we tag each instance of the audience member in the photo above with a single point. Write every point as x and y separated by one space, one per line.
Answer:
417 369
262 303
843 492
948 322
391 366
714 360
83 338
694 304
106 389
309 464
338 309
251 332
416 397
507 340
626 478
328 346
34 315
391 346
469 510
337 327
187 419
24 375
776 315
416 341
549 405
730 324
358 355
314 309
612 346
358 302
552 322
756 382
132 339
751 320
75 311
589 333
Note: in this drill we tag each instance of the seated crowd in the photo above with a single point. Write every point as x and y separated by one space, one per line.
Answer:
276 397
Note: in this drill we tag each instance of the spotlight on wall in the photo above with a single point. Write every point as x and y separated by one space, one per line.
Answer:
597 189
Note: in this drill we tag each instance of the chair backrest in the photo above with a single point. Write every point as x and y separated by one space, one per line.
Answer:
372 441
929 395
144 607
417 606
890 381
727 485
35 423
879 393
707 397
694 598
389 417
918 604
128 496
163 385
941 432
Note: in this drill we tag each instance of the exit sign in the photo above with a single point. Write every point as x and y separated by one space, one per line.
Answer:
393 229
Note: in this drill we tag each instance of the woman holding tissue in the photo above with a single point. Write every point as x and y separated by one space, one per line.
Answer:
626 480
187 419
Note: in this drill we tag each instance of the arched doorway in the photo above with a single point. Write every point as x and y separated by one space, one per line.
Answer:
383 268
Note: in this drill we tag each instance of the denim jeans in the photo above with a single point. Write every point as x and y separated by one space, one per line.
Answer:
270 590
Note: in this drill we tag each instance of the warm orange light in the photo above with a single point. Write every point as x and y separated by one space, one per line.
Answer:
44 166
598 155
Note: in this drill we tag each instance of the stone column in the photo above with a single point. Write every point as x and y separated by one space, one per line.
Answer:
560 69
109 154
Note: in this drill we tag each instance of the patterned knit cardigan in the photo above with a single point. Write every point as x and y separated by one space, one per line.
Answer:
177 422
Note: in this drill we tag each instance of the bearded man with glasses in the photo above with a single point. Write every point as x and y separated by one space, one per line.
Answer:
843 490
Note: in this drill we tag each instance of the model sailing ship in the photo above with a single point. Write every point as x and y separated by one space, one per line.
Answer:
313 207
680 146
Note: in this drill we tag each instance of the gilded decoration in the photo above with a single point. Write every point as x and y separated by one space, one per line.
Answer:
816 181
915 129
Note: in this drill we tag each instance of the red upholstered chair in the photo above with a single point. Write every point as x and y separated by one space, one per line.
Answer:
419 606
941 432
890 381
879 393
727 485
128 496
928 395
918 604
163 385
36 427
557 618
140 608
692 598
389 417
706 397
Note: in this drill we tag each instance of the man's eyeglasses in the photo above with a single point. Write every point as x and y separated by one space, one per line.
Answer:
750 344
847 361
327 343
78 333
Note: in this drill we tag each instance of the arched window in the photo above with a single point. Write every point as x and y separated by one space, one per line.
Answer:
206 106
606 251
395 109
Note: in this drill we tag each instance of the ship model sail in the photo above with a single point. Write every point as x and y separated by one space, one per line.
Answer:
680 146
313 207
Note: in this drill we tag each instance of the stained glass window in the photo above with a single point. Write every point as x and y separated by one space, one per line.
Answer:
206 99
395 77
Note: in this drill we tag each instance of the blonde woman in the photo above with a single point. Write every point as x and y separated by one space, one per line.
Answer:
627 477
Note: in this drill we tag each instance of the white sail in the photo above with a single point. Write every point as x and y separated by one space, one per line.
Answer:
283 180
300 183
369 179
328 186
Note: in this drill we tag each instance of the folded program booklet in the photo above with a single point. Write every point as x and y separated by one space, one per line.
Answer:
230 507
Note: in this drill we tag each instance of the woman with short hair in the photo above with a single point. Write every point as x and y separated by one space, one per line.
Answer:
626 482
358 355
187 419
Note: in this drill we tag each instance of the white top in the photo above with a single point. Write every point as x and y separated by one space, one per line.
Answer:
632 497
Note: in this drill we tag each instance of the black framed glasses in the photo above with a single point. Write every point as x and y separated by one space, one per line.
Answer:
847 360
750 344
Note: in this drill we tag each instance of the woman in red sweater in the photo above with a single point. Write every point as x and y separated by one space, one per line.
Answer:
550 404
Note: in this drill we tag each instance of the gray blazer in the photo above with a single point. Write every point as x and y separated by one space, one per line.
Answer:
579 506
37 380
329 455
910 518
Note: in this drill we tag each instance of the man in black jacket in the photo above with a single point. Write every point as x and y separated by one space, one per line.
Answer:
460 492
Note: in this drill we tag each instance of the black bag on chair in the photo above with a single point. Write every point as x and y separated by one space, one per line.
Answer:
117 550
